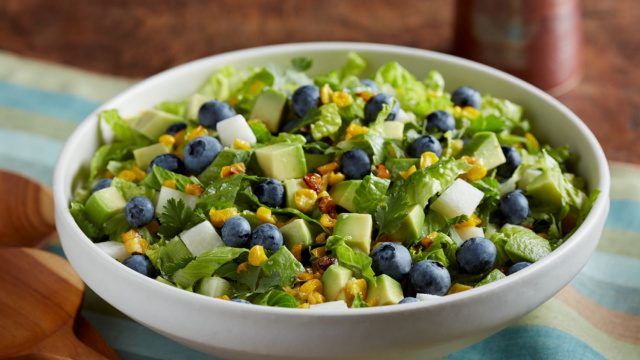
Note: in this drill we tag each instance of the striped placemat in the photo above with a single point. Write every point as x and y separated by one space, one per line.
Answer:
597 316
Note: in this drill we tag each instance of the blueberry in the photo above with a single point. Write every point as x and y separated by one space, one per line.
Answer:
517 267
139 211
440 121
175 128
476 255
305 98
236 232
355 164
212 112
200 153
373 107
307 137
241 301
268 236
408 300
102 184
513 161
270 192
140 263
391 259
423 144
288 126
466 96
430 277
169 162
370 84
514 206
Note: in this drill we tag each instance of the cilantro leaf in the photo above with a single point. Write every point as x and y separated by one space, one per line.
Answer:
358 302
176 217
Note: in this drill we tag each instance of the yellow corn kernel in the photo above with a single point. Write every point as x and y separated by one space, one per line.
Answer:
327 221
313 285
167 140
325 94
472 221
334 178
303 306
533 142
136 245
256 86
241 144
318 252
224 297
218 217
322 194
470 112
242 267
315 298
456 288
193 189
291 291
197 132
469 159
457 111
477 172
354 130
233 101
127 175
428 240
342 99
264 215
179 137
233 169
356 286
140 174
405 174
427 159
457 145
328 168
170 183
305 276
129 235
321 238
296 251
257 256
305 199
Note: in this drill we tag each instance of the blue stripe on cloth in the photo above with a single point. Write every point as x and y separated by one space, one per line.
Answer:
624 215
615 269
54 104
29 154
624 299
529 342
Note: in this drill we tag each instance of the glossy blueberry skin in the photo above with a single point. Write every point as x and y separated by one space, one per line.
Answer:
236 232
466 96
370 84
514 206
305 98
408 300
423 144
169 162
241 301
267 235
476 255
440 121
355 164
212 112
430 277
517 267
513 161
391 259
200 153
270 192
139 211
140 263
175 128
102 184
374 106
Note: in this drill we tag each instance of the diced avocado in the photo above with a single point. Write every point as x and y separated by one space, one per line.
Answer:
315 160
384 290
214 286
524 245
146 154
268 107
334 280
201 238
357 229
410 226
104 204
290 188
544 189
282 161
393 130
527 177
193 106
484 146
344 192
169 193
297 232
153 123
494 275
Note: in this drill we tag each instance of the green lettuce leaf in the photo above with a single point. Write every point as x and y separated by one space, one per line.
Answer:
260 130
158 175
434 81
206 264
358 302
277 298
225 157
105 154
359 263
371 194
220 84
121 129
426 183
283 266
410 92
129 189
221 193
284 137
328 122
172 256
372 143
301 63
79 214
354 66
177 108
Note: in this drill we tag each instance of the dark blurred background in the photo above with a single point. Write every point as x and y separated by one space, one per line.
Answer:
139 38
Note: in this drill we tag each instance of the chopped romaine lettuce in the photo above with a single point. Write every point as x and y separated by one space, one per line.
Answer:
328 122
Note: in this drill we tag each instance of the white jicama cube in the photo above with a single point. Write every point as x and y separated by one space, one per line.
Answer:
461 198
393 130
201 238
331 305
468 232
235 127
427 297
167 193
114 249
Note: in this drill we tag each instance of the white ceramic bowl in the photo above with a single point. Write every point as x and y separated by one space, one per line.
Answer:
234 330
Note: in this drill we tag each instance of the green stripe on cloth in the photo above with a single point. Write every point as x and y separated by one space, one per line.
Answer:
34 123
620 242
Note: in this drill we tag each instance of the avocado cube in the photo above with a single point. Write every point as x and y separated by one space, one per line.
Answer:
384 290
315 160
344 192
214 286
290 188
334 280
269 107
356 228
193 106
494 275
153 123
484 146
282 161
104 204
544 190
297 232
146 154
410 227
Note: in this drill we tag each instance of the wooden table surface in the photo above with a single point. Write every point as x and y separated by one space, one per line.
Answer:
139 38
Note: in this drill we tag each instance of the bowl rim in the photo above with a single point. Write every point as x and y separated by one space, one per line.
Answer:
599 208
